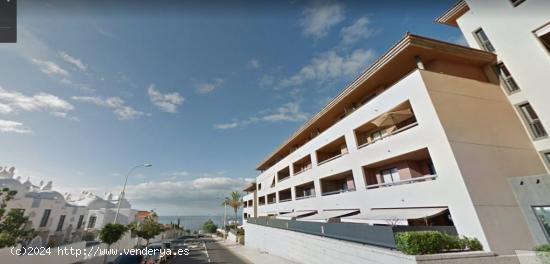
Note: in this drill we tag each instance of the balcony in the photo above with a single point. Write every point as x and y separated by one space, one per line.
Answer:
305 191
261 200
302 165
408 168
283 174
390 123
271 198
332 151
339 183
285 195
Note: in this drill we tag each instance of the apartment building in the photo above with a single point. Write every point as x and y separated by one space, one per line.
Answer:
518 33
425 136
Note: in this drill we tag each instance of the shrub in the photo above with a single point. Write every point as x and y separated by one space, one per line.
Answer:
543 248
432 242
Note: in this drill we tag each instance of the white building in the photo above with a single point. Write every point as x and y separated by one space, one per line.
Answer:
518 33
56 220
425 136
101 211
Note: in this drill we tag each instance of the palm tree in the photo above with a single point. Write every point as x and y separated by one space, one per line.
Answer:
235 201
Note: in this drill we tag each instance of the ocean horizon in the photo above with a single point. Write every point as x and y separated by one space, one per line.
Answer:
194 222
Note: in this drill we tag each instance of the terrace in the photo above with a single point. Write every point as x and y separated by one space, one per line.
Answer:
408 168
302 165
339 183
304 191
285 195
332 151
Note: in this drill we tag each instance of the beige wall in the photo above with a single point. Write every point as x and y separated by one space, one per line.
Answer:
490 145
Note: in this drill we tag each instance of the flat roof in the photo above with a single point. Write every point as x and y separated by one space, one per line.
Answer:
389 68
450 16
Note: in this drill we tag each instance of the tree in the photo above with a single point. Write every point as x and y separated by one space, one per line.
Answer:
110 234
146 230
13 225
209 226
235 201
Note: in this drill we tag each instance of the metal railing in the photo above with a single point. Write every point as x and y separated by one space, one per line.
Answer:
383 236
407 181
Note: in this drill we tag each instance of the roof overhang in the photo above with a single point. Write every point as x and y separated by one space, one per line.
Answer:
393 65
452 14
250 187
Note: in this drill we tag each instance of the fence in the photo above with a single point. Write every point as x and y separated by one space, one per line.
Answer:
383 236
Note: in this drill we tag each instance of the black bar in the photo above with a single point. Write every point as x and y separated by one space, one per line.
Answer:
8 21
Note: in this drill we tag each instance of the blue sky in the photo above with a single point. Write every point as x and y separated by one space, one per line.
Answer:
201 91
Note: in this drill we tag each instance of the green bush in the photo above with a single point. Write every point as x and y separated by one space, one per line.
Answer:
543 248
432 242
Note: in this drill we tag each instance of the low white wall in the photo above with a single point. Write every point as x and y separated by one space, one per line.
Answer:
232 237
304 248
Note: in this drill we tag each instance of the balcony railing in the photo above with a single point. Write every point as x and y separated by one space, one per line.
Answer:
305 197
337 192
331 158
407 181
389 134
285 200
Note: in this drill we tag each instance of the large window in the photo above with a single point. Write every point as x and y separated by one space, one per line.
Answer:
533 121
484 40
543 216
60 223
505 76
543 34
91 222
45 217
390 175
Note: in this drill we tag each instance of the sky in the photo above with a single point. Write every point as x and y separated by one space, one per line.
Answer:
203 91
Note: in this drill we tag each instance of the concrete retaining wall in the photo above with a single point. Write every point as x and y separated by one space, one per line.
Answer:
304 248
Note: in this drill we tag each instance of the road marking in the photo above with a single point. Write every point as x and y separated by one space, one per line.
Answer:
206 251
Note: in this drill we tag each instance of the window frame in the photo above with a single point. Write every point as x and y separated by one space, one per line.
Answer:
80 222
481 42
544 27
500 67
60 223
91 224
530 121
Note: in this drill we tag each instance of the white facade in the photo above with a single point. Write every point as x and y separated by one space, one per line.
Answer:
512 30
465 135
102 211
61 225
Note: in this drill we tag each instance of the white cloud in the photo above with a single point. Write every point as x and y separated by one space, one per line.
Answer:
50 68
116 104
12 101
167 102
320 17
7 126
357 31
289 112
331 66
208 87
253 64
73 61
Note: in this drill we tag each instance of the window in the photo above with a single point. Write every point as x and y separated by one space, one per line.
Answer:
543 216
533 121
80 221
546 157
390 175
45 217
259 186
60 223
543 34
378 134
516 2
431 168
484 40
91 223
505 76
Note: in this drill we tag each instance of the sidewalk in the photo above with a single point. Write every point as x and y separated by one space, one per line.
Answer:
252 255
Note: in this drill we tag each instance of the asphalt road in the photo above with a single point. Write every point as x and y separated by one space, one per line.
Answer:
213 253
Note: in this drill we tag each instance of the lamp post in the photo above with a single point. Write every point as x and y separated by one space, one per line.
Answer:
145 165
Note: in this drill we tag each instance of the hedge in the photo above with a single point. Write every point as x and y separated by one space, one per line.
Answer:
432 242
542 248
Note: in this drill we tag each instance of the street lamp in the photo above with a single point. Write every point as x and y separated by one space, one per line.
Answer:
145 165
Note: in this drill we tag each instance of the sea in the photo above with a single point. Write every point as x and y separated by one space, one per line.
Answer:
193 222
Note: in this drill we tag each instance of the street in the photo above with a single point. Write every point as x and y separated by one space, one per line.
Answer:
210 252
